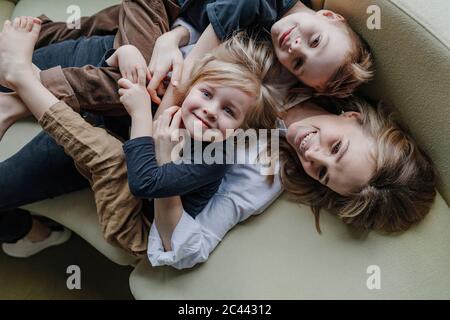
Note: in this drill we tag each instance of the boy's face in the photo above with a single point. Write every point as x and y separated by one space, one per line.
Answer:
311 45
214 108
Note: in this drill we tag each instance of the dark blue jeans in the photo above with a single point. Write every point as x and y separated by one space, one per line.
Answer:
41 169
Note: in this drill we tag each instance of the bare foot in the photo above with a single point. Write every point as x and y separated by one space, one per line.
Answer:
11 110
17 42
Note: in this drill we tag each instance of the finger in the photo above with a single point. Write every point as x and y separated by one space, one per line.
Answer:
156 79
125 83
154 96
134 76
176 120
121 92
167 116
160 89
149 75
141 76
177 72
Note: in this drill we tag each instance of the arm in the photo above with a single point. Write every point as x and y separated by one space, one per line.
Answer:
192 240
208 41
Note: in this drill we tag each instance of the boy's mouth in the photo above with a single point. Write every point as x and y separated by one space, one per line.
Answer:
284 37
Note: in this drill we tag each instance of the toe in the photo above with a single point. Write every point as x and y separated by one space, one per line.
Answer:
7 25
29 25
16 23
36 28
23 22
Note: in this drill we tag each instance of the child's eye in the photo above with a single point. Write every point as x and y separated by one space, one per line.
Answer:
229 111
336 148
206 93
315 42
298 63
322 173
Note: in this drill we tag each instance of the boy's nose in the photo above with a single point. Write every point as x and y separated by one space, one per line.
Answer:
295 45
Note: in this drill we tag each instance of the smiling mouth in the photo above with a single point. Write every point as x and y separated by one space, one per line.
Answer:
303 141
285 37
206 124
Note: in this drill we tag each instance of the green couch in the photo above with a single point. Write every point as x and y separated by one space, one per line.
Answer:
278 255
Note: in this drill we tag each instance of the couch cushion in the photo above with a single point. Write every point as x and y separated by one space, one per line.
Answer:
279 255
412 68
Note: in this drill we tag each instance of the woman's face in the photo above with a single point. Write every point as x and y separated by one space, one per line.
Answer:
214 108
334 150
311 45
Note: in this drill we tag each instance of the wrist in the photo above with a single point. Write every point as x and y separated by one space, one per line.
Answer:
180 35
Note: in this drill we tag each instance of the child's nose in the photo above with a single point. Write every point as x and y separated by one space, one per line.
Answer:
210 112
295 44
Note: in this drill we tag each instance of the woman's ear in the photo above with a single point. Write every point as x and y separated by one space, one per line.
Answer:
331 15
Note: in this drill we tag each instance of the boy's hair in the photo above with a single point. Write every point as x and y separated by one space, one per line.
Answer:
356 70
400 192
243 63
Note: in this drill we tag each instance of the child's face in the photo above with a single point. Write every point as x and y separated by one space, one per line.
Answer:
311 45
215 108
334 150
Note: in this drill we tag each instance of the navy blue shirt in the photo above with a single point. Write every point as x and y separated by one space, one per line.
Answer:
227 16
194 183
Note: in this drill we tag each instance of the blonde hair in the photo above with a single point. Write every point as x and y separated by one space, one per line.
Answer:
400 192
243 63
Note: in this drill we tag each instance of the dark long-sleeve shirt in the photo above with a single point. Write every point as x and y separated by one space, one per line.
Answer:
195 183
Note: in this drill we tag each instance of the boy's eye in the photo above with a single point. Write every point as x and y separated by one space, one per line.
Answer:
322 173
298 63
315 42
336 148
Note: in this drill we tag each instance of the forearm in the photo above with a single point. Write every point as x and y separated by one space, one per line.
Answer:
168 212
141 125
207 42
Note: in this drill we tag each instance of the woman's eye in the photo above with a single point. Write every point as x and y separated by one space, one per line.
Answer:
336 148
315 42
322 173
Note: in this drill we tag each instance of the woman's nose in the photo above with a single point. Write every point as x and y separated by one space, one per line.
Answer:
313 155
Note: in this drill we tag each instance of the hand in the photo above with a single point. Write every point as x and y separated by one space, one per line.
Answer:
132 65
166 57
134 97
166 135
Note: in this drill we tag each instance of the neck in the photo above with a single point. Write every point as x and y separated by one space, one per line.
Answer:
298 7
302 111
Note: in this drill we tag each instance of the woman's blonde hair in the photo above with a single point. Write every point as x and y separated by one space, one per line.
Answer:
400 192
246 64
